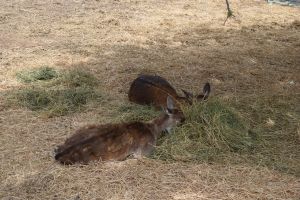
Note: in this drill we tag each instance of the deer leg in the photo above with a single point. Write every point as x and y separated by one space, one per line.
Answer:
143 151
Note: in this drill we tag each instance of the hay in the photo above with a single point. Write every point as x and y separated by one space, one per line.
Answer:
39 74
55 102
78 78
211 128
67 92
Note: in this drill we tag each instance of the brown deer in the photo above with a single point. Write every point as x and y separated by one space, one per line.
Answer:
117 141
154 90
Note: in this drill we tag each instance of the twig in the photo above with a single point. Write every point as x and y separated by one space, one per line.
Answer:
229 12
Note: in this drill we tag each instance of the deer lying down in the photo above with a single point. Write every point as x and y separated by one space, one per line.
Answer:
117 141
154 90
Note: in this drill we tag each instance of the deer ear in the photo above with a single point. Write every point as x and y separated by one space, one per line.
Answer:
205 94
170 103
206 90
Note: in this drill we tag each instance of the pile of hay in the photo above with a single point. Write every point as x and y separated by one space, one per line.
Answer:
211 128
55 93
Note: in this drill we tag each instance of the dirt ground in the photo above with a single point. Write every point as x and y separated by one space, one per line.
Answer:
256 52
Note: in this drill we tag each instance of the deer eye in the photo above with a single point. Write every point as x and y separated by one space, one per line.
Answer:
171 111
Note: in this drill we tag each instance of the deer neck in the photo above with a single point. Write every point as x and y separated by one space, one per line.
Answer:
159 124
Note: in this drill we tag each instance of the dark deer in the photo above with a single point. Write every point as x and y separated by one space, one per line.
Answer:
117 141
154 90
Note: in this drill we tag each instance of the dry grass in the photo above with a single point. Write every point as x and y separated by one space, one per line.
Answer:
148 179
276 119
252 64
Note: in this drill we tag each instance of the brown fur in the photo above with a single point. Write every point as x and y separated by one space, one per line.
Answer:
116 141
154 90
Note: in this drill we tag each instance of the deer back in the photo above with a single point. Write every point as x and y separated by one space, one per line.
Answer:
104 142
154 90
151 90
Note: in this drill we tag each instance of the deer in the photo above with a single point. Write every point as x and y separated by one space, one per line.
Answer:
116 142
154 90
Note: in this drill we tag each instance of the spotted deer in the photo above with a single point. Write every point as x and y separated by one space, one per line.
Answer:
154 90
117 141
